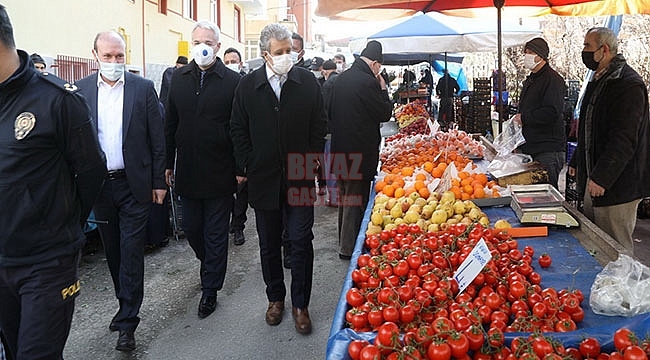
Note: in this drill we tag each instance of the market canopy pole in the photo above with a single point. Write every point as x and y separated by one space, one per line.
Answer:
499 4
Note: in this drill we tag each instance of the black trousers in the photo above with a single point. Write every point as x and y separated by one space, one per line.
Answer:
36 307
123 238
299 223
205 222
158 222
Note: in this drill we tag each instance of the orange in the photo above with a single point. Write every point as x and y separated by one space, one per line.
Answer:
466 181
437 172
424 192
479 192
420 176
463 175
419 185
468 189
407 170
443 166
482 178
379 185
399 192
465 196
389 190
456 190
427 166
455 182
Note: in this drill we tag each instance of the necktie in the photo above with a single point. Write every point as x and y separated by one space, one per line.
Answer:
278 85
202 77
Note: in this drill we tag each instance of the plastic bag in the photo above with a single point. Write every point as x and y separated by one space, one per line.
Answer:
510 138
508 164
622 288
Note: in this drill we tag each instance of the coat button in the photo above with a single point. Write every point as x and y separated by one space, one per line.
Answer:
276 109
197 93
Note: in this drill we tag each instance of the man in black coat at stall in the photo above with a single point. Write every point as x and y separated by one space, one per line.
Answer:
197 130
358 104
278 124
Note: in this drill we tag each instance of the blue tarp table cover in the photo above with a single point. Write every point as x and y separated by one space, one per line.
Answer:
573 267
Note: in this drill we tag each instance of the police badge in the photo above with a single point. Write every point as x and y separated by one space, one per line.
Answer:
24 124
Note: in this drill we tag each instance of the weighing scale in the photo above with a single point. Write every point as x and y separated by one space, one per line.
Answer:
540 204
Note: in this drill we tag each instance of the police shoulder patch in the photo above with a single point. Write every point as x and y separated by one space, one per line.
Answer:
58 82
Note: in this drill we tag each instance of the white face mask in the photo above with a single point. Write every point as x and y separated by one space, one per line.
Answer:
339 67
317 74
203 54
529 61
111 71
233 67
281 64
294 57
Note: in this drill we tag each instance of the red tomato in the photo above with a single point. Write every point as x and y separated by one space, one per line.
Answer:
541 346
354 297
634 352
495 337
390 313
406 314
565 325
414 260
439 351
579 315
401 268
545 260
354 349
623 338
517 289
459 344
475 336
370 352
528 250
388 334
375 317
589 347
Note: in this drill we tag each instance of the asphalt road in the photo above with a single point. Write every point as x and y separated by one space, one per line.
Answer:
170 328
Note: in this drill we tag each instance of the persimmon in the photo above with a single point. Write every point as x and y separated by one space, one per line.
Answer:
437 172
420 176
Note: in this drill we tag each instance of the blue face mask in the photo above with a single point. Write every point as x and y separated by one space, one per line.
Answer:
111 71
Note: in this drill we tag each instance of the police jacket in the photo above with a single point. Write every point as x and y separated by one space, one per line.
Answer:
541 106
51 167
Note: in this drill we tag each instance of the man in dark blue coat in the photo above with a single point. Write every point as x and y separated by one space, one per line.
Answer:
612 160
197 130
278 125
358 104
127 116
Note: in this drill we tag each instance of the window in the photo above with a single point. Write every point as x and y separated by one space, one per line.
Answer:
237 24
189 9
215 17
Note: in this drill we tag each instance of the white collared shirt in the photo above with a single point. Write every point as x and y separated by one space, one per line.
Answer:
110 102
274 80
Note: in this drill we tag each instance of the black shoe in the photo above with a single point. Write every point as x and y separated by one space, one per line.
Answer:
345 257
113 325
149 248
164 243
239 238
126 341
286 255
207 305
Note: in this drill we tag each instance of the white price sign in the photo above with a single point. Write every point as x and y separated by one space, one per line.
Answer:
472 266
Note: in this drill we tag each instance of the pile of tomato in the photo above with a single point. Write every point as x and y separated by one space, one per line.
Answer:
405 291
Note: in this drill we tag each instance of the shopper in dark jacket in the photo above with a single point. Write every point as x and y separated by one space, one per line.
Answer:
197 130
358 104
51 171
278 122
612 159
541 111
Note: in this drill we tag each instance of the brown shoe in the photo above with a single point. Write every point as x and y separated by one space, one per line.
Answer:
303 323
274 312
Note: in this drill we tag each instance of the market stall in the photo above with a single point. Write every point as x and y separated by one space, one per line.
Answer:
578 255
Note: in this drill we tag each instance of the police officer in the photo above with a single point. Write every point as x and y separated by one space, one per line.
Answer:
51 170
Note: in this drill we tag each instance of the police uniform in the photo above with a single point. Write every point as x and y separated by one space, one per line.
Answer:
51 170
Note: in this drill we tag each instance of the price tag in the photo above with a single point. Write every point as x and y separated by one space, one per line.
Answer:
472 266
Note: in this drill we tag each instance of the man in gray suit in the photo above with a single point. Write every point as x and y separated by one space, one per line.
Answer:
130 129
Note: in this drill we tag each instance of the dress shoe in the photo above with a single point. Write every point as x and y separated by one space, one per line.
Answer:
239 238
207 305
113 325
126 341
345 257
274 312
303 323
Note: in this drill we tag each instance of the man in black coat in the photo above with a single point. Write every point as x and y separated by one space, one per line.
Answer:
278 124
541 111
131 135
446 89
358 104
198 142
167 78
612 160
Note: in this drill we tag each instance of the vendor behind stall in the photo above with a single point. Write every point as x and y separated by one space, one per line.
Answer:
541 111
446 88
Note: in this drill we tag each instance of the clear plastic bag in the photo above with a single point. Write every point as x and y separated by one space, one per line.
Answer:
510 138
508 164
622 288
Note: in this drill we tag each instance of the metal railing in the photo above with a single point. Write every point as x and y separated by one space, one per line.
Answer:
72 68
